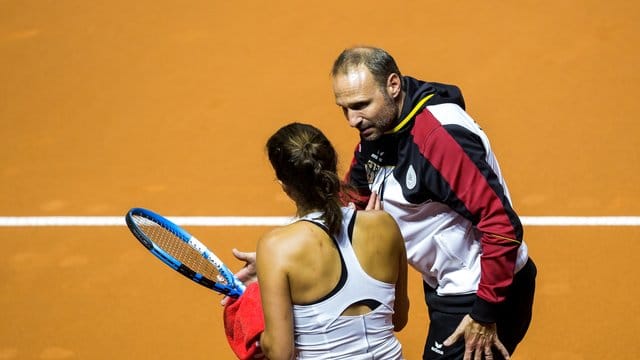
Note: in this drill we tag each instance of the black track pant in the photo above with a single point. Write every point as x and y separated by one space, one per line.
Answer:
446 312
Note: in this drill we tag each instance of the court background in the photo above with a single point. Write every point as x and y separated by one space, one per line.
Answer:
167 105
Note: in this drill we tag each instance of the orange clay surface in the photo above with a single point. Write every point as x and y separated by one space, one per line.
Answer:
167 105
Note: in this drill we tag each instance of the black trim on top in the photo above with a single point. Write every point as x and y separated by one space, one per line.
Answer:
351 225
343 266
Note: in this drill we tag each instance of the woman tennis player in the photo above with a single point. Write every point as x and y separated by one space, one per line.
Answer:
333 283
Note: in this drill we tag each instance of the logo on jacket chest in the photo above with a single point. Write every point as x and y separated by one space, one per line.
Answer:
372 166
410 179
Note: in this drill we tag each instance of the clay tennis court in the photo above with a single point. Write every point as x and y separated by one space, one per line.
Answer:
167 105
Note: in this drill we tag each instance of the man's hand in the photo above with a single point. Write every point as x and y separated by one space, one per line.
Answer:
374 202
248 273
478 339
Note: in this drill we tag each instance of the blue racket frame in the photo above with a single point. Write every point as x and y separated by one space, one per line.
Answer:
236 287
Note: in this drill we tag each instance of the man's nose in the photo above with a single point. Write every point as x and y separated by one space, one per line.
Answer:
354 118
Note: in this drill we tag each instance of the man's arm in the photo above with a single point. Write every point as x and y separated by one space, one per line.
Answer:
467 183
462 179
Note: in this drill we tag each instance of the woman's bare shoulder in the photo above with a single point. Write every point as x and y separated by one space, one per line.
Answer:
285 239
378 226
375 218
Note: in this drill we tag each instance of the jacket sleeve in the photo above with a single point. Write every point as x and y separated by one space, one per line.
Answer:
461 177
356 177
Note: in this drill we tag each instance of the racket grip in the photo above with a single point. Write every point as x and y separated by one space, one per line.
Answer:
239 284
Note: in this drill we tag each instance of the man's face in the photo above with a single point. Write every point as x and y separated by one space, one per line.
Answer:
368 107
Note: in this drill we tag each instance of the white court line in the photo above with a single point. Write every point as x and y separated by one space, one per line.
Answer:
580 220
8 221
26 221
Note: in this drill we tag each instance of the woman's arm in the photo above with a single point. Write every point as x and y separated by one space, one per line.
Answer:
277 339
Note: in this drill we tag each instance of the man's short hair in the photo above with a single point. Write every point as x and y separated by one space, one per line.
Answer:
379 62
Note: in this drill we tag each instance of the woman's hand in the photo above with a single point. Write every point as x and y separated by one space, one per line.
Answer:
248 273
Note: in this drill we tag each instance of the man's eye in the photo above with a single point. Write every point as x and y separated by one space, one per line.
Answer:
359 106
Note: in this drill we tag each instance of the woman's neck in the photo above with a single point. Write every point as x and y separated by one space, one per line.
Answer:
301 212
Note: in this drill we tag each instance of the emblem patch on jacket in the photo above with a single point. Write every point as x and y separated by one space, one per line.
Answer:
411 179
371 168
373 165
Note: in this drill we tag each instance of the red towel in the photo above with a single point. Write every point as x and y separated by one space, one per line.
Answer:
244 322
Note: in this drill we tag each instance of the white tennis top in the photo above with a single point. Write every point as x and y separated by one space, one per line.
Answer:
322 333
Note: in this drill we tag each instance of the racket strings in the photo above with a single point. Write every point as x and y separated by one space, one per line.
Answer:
173 245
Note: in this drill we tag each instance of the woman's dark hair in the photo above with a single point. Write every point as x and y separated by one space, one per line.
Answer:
305 161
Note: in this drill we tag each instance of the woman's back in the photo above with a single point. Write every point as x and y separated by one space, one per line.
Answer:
315 267
342 291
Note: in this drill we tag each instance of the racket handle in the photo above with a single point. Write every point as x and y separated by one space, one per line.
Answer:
239 284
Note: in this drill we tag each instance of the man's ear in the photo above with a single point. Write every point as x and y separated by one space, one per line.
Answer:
394 85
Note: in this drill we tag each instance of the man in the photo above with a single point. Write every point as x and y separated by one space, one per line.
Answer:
424 160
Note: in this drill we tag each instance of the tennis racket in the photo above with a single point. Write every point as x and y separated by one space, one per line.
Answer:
182 252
